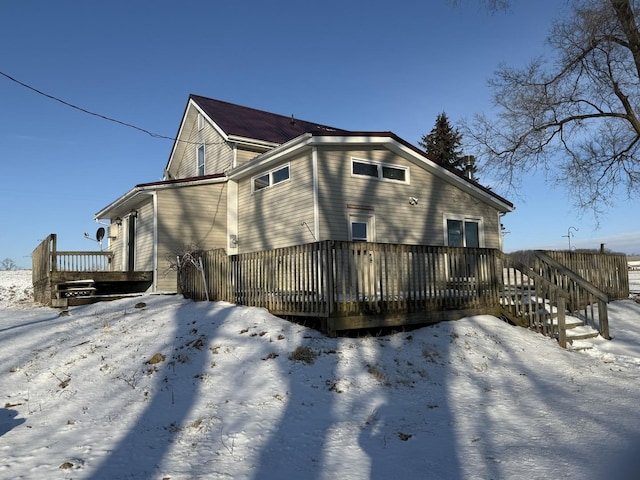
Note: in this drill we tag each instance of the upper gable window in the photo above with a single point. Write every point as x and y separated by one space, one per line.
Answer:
270 178
200 156
200 121
381 171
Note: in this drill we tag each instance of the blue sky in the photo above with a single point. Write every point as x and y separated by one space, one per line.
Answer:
359 65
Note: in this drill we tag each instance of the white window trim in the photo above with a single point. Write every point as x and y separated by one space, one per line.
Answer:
270 173
369 219
407 170
200 121
464 218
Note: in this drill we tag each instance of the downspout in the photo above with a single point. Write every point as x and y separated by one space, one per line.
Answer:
154 285
234 153
316 213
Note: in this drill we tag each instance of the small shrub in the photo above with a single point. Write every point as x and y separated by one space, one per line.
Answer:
157 358
375 373
303 354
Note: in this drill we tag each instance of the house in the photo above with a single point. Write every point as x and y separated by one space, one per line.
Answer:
247 180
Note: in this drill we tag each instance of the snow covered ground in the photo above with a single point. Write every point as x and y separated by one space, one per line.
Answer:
158 387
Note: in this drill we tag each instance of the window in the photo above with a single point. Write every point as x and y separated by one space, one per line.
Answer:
200 122
270 178
394 173
368 169
201 160
261 182
361 228
381 171
463 232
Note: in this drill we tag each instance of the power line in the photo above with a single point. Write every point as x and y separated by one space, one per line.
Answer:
104 117
84 110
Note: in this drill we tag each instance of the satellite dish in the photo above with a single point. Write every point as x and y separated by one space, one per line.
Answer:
100 234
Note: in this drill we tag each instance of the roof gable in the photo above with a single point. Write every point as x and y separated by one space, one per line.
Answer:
236 120
387 140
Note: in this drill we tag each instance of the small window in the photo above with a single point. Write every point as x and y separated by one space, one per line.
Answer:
368 169
359 231
261 182
381 171
201 160
394 173
281 175
200 122
271 178
361 228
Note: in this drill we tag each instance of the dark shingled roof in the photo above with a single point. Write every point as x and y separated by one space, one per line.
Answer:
251 123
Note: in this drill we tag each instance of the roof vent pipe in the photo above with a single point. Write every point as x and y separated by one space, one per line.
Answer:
469 161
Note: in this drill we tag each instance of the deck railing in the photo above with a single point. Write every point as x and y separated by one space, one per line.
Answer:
46 261
81 261
584 299
338 280
530 300
609 272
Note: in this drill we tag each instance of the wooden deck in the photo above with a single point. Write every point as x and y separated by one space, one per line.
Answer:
64 278
360 285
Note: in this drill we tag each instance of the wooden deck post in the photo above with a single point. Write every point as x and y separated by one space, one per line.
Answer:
562 329
603 319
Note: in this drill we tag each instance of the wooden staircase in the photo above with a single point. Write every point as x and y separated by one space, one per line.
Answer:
547 297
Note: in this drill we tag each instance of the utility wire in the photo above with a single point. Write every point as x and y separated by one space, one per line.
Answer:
104 117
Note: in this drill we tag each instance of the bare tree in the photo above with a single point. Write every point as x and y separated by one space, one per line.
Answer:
8 264
576 117
491 5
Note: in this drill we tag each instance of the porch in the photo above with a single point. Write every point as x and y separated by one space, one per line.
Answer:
66 278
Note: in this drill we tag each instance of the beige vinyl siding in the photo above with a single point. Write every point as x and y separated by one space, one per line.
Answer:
116 245
243 155
218 154
396 220
273 217
189 215
144 237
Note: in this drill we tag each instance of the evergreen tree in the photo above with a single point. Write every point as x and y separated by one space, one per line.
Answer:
443 143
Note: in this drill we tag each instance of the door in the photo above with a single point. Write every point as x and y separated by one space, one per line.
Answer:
364 284
131 245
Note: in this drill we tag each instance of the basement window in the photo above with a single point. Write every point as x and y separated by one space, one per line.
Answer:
382 171
270 178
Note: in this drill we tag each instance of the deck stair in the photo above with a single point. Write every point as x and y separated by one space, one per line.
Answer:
73 289
578 330
82 292
553 301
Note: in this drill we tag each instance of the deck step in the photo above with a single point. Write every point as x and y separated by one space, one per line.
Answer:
581 333
75 288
